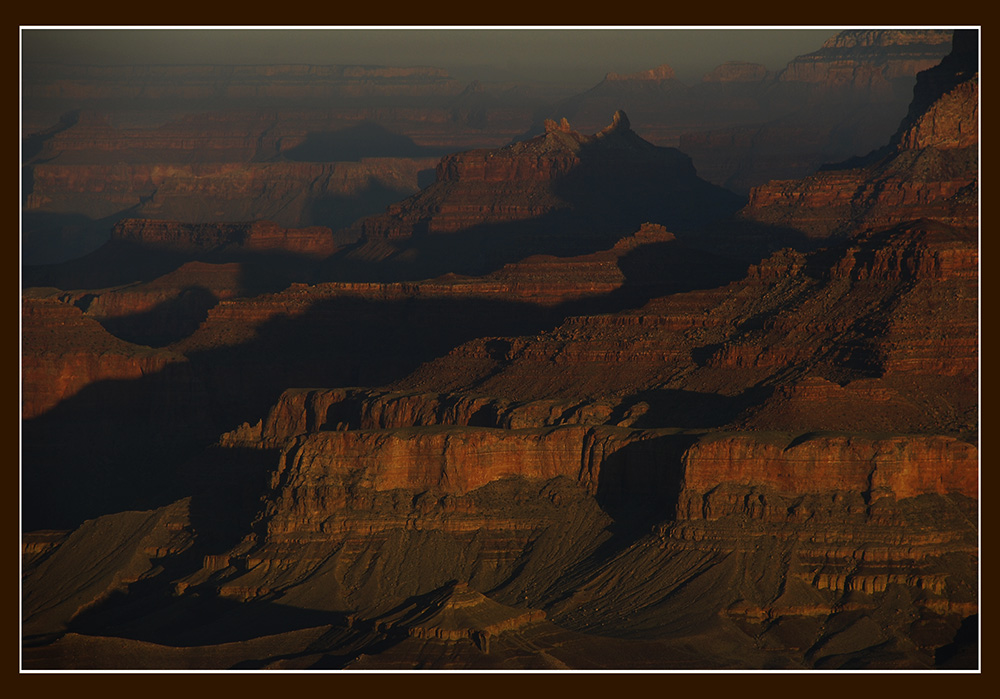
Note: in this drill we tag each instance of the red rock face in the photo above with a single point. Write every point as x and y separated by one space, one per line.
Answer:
560 193
781 469
393 424
843 100
216 191
253 237
930 169
900 467
63 351
850 507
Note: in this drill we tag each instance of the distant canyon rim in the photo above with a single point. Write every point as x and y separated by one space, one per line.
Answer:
366 368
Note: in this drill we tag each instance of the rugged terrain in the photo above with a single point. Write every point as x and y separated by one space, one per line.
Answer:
743 125
295 144
928 169
559 193
327 145
824 107
634 434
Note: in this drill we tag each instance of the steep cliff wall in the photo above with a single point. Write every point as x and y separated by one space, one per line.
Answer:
560 193
830 514
292 194
841 101
63 351
251 237
929 169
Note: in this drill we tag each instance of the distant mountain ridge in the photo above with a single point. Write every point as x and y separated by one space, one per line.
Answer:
561 192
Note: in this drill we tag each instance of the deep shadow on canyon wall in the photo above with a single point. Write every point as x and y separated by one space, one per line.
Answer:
119 444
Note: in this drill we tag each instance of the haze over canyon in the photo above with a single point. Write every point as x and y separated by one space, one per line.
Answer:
370 367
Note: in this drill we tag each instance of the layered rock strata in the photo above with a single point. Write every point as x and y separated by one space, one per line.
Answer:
911 331
562 192
840 101
929 170
777 472
849 512
291 194
64 351
259 236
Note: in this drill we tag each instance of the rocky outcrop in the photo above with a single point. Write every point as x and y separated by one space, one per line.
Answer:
291 194
929 169
459 612
63 351
259 236
841 101
566 192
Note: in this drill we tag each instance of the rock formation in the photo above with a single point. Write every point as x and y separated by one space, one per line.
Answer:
561 193
883 54
63 351
840 101
929 169
634 454
300 145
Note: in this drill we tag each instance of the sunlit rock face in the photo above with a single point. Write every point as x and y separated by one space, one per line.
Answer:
930 169
648 452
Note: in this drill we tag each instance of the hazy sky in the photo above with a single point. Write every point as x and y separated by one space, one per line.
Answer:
582 56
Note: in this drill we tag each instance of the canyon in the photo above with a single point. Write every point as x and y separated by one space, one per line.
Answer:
568 404
329 145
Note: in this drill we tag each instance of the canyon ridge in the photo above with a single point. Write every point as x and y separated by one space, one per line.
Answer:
359 367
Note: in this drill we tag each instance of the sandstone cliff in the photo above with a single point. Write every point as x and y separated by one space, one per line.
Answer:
292 194
63 351
560 193
622 457
928 170
855 525
840 101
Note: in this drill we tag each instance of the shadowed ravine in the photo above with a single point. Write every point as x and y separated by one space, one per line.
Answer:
569 406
